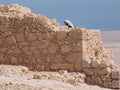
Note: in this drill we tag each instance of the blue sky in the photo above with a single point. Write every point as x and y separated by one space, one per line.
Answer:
101 14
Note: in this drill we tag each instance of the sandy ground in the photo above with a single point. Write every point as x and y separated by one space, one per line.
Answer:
111 41
20 78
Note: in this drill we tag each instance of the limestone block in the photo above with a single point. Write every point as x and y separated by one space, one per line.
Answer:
47 36
104 71
103 65
25 48
36 52
20 37
52 48
115 75
54 22
27 20
116 84
77 47
78 66
61 35
86 63
4 20
62 66
42 18
40 67
89 71
95 63
37 44
107 84
33 48
75 35
13 60
2 57
31 37
85 35
16 21
29 53
25 43
65 48
16 51
1 41
88 79
17 8
98 80
58 59
10 40
74 57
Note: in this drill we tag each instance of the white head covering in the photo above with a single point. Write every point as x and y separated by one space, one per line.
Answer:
69 24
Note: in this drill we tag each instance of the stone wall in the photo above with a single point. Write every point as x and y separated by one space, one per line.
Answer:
30 40
98 63
41 44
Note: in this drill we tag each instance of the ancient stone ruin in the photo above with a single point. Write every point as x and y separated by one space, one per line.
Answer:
39 43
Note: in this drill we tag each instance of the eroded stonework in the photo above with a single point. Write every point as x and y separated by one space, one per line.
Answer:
39 43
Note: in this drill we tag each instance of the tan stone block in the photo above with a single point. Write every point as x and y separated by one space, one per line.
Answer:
1 41
36 43
74 57
21 44
33 48
89 71
25 48
107 84
54 22
98 80
10 40
85 35
16 51
20 37
115 74
78 66
77 47
75 34
58 59
2 57
36 52
103 65
31 37
40 67
52 48
28 53
3 50
62 66
116 84
88 79
105 77
104 71
86 63
95 63
65 48
61 35
13 60
42 18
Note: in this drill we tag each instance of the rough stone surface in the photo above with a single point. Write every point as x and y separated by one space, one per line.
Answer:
115 74
39 43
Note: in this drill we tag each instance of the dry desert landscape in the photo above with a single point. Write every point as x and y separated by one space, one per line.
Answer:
33 49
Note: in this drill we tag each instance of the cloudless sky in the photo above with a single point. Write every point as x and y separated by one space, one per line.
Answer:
95 14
